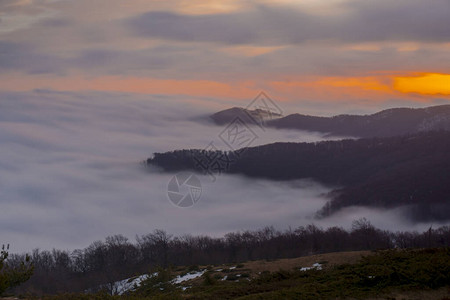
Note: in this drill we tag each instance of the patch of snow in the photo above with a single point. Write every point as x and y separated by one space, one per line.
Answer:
219 270
315 266
224 278
188 276
232 268
129 284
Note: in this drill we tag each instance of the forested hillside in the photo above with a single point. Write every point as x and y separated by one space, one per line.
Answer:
411 170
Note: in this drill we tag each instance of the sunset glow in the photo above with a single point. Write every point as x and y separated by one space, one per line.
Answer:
429 84
228 50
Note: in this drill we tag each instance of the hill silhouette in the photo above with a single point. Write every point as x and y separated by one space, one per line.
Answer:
411 170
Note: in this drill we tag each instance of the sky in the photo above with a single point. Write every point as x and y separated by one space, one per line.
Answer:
90 89
359 56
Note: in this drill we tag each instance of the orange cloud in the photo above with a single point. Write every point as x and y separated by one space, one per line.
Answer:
361 83
365 88
249 51
199 88
208 6
427 84
380 87
335 88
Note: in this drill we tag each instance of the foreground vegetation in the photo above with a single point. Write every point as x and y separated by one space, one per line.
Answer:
381 274
11 277
103 263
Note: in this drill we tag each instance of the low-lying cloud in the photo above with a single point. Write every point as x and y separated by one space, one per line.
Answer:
70 173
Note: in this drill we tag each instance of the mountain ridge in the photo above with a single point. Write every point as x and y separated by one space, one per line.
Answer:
385 123
411 170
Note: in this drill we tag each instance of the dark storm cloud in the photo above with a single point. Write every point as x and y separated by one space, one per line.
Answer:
356 21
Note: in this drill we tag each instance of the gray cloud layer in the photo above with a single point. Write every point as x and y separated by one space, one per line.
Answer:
163 44
361 21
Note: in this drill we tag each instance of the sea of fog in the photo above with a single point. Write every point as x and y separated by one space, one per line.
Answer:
71 173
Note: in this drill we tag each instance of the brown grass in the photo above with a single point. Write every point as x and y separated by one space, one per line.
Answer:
335 258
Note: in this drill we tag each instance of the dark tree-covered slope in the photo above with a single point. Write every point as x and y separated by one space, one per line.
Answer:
390 122
412 170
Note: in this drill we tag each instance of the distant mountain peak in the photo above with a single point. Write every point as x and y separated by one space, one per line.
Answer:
385 123
245 115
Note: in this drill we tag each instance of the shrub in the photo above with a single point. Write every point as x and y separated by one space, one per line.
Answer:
208 280
193 268
232 277
13 276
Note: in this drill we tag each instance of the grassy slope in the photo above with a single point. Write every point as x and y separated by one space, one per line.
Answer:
401 274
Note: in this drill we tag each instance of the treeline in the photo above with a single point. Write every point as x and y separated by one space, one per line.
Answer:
411 170
104 262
